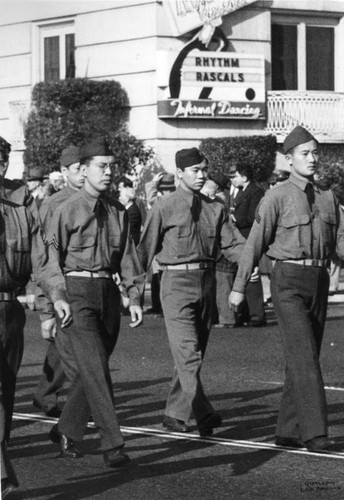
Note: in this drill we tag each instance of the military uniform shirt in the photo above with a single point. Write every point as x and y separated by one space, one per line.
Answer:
288 228
91 234
51 203
171 233
21 247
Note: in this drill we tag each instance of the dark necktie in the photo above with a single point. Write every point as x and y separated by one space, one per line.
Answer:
100 212
310 195
195 207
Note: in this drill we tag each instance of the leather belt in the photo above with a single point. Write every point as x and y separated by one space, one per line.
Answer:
308 262
7 296
90 274
189 266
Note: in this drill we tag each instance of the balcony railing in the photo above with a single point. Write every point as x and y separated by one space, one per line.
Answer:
322 113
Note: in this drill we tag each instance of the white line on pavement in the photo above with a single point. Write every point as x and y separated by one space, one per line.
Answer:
193 437
328 388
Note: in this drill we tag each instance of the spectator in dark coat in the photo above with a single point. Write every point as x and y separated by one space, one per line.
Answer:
127 197
244 208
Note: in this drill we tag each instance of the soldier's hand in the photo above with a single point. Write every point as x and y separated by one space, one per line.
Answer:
64 312
235 299
48 329
136 315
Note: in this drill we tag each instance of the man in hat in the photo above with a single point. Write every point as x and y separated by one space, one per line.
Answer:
21 252
217 185
299 226
161 184
127 196
53 376
186 231
91 239
35 183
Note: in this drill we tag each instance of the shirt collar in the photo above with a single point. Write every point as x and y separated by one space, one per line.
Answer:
302 183
91 200
186 195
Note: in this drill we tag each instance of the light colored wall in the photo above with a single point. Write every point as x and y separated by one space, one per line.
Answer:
119 39
114 40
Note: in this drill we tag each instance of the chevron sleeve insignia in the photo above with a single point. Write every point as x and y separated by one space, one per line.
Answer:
53 241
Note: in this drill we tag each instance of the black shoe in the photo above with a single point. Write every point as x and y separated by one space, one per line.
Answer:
67 447
288 442
321 443
208 424
222 325
53 412
7 488
116 458
173 424
256 324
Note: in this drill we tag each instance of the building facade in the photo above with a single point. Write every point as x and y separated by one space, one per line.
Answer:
269 66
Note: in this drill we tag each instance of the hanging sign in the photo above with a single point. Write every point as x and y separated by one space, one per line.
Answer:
226 85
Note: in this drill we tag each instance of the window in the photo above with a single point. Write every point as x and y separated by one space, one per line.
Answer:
320 58
302 57
284 57
57 52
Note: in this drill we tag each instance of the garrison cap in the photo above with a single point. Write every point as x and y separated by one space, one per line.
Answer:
95 147
189 157
70 155
5 147
299 135
219 179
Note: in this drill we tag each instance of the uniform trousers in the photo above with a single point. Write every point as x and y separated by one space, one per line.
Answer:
187 302
7 471
52 379
89 342
299 295
12 322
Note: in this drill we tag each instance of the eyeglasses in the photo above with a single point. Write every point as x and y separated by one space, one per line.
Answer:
104 166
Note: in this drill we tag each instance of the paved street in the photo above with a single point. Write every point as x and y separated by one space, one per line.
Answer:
243 374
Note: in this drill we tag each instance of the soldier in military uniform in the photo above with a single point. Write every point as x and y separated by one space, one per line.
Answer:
90 237
53 376
299 226
21 251
186 231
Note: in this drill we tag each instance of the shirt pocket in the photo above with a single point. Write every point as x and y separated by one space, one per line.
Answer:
293 221
208 232
82 241
328 223
295 233
18 256
18 244
184 241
